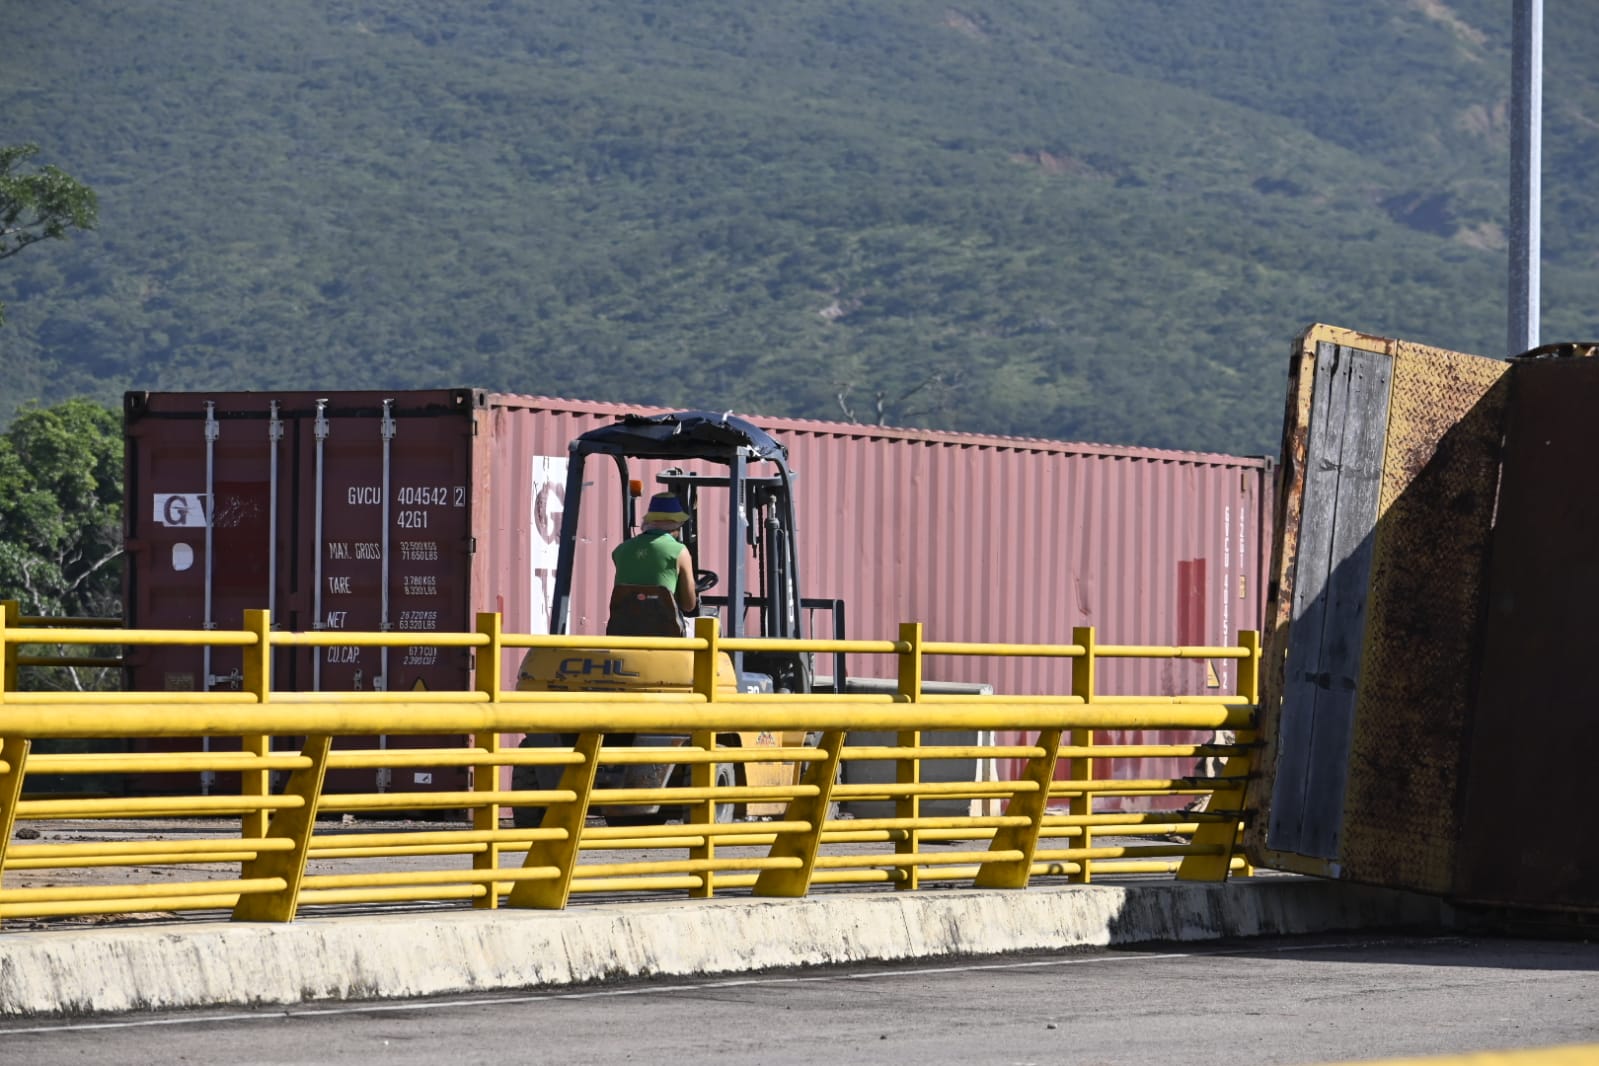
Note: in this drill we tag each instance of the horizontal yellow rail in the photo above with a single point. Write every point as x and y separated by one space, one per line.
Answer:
261 802
63 715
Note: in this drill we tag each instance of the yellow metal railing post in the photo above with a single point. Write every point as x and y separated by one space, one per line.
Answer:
1020 842
1221 837
1249 689
702 774
257 681
14 754
486 818
813 809
10 619
908 771
561 853
1084 668
297 824
13 750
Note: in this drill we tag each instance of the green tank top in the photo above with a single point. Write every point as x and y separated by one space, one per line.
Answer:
648 559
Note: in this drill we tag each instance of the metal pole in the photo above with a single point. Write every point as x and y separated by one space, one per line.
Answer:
385 543
212 431
1526 151
274 437
320 430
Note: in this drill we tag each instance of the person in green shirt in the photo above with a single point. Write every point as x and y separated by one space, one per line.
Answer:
656 556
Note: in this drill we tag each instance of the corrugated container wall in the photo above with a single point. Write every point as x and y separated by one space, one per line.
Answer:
979 538
992 539
449 506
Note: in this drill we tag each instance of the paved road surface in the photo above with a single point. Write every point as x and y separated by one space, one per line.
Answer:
1256 1003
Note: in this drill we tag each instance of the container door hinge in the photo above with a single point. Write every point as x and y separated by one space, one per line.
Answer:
233 680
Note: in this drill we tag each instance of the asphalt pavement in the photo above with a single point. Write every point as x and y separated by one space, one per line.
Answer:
1263 1001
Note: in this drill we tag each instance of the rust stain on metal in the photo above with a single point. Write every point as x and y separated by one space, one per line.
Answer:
1423 617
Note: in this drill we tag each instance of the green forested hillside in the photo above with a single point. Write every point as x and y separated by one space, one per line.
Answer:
1100 220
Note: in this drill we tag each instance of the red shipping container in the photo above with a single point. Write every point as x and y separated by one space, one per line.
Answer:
414 510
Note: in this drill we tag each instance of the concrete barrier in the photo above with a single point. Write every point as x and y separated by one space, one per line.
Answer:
184 964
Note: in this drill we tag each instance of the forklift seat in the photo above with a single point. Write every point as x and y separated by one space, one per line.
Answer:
643 611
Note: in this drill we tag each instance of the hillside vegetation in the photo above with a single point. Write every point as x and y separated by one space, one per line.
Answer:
1102 220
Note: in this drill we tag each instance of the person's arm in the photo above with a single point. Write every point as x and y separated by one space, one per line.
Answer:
688 596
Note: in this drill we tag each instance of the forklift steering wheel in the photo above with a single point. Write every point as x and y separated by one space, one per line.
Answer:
705 580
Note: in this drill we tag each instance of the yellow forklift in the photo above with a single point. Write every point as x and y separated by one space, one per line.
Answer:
739 478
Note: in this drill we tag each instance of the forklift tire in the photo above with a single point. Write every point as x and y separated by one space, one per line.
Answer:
726 777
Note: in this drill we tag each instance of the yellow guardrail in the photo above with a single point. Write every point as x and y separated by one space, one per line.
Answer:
284 838
45 637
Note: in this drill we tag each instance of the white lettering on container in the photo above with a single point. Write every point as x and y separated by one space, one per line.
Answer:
339 586
365 494
412 520
421 585
368 550
344 654
429 496
419 620
338 549
336 619
180 508
421 655
419 551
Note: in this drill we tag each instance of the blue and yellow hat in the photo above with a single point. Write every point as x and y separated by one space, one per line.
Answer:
666 507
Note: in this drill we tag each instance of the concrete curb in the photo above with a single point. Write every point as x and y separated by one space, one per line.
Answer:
78 972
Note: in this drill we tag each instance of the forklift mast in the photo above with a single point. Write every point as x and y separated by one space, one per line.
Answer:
757 498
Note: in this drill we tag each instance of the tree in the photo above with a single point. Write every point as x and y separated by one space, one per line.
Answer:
61 516
39 205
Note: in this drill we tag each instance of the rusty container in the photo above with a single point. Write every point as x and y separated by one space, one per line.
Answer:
415 510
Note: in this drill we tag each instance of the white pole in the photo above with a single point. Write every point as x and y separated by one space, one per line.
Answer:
1526 151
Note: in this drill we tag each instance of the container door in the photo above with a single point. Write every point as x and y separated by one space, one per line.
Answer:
350 511
384 531
205 519
207 512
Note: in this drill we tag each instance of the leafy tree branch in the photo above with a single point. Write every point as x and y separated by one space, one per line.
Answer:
39 205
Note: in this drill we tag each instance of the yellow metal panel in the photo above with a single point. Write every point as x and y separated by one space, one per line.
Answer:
1434 513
